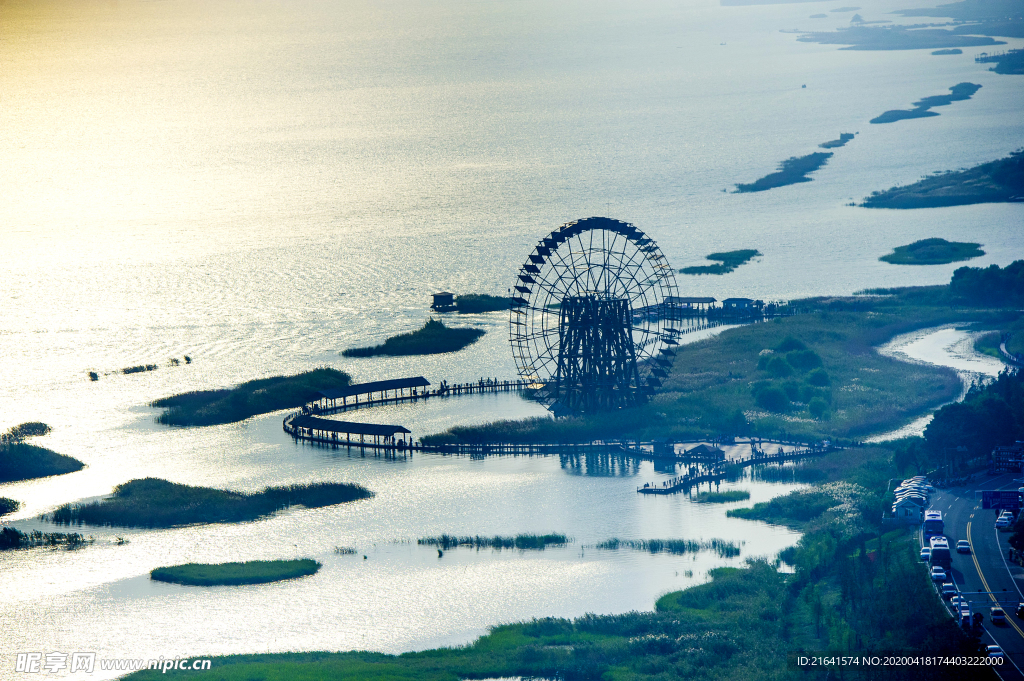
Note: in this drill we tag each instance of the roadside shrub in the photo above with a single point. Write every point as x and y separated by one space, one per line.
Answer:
804 360
779 368
819 377
789 344
792 390
773 399
818 408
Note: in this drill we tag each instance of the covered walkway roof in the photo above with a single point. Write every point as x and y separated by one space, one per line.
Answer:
348 427
374 387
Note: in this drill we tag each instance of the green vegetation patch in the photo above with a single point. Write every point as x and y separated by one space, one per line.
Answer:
958 93
728 261
999 181
432 339
791 171
151 502
11 538
933 252
231 574
725 549
722 497
844 137
988 344
896 38
261 396
8 506
523 542
22 461
474 303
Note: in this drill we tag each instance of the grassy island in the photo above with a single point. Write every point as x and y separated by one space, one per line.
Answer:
722 497
22 461
233 574
958 93
844 137
999 181
859 37
728 261
474 303
933 252
955 50
261 396
8 506
432 339
151 502
791 171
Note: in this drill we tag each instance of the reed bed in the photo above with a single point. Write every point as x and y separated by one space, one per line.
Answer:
11 538
725 549
523 542
722 497
152 502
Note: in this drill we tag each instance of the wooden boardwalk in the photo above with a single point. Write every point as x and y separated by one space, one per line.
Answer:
700 474
444 389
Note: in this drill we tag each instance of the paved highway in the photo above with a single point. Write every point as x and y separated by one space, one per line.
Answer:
985 568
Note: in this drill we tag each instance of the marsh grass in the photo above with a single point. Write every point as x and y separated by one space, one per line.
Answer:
139 368
8 506
523 542
434 338
728 261
791 171
22 461
722 497
11 538
233 574
260 396
151 502
473 303
724 549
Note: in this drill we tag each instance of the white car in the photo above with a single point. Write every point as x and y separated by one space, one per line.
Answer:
994 651
938 574
1002 522
963 546
926 553
948 589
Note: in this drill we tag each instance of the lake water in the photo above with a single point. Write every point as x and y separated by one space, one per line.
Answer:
259 185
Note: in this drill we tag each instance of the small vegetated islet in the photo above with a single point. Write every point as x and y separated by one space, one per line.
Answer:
8 506
152 502
933 252
791 171
722 497
523 542
475 303
727 262
232 574
12 538
724 549
433 338
22 461
260 396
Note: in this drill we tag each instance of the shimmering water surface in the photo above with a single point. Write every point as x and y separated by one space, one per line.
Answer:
261 184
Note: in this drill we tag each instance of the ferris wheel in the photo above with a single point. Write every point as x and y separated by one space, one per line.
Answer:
593 320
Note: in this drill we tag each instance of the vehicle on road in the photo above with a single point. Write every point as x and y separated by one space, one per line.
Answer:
994 651
940 555
997 615
1020 610
926 553
948 589
933 523
938 574
1002 523
963 546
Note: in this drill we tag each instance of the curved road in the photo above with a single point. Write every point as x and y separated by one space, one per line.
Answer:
985 568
